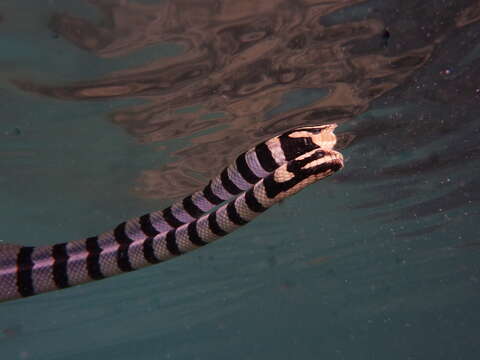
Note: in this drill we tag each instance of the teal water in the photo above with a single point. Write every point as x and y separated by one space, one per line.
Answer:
111 109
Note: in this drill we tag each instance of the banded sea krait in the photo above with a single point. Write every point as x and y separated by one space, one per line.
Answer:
259 178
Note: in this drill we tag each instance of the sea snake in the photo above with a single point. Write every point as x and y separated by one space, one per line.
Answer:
259 178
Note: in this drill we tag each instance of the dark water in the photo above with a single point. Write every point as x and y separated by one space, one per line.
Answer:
112 108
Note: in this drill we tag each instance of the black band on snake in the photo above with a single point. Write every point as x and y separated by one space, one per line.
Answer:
259 178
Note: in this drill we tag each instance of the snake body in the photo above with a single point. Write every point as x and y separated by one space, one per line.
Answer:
259 178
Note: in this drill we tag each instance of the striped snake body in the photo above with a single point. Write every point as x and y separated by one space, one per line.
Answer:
259 178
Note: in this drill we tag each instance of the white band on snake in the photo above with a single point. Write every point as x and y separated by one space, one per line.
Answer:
259 178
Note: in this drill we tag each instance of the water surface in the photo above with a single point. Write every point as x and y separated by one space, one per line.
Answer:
112 108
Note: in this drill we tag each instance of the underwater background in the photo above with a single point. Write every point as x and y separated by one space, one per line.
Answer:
113 108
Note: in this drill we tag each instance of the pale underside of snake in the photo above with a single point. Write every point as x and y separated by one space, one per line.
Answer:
259 178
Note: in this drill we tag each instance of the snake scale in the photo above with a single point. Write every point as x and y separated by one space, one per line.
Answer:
262 176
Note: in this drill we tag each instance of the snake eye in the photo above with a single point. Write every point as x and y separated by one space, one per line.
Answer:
320 154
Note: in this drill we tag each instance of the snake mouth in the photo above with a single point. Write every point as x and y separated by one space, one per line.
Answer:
336 159
320 161
335 155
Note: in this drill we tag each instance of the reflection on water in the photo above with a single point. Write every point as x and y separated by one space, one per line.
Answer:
240 61
243 61
215 77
